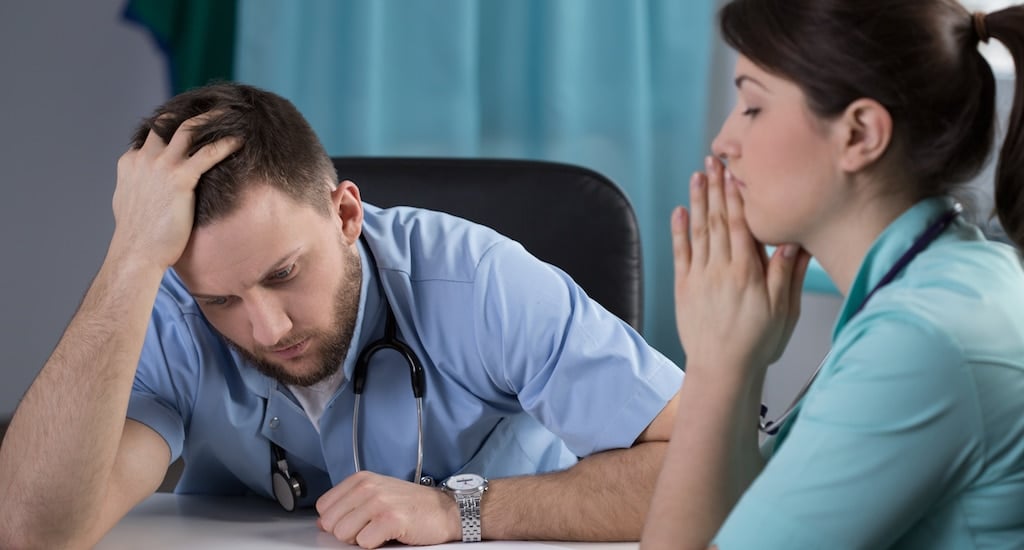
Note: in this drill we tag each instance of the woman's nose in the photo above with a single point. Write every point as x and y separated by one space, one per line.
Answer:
725 146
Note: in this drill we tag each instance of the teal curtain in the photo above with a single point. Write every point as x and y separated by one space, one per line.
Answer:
619 86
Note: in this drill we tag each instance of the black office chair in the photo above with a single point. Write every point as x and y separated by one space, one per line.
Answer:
566 215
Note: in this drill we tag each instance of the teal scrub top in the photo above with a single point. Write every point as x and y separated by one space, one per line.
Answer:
912 436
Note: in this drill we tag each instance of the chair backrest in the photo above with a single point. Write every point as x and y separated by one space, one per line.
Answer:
566 215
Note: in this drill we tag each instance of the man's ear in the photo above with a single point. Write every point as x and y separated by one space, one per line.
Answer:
865 133
348 207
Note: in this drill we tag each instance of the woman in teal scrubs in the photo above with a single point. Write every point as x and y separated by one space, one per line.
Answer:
855 122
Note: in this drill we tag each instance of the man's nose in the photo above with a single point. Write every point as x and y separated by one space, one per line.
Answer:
269 321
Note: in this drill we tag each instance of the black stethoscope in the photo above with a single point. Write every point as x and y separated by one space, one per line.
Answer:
289 487
932 232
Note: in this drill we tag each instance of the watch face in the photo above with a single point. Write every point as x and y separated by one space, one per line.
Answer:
464 482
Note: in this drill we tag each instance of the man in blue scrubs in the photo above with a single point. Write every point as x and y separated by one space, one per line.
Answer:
241 288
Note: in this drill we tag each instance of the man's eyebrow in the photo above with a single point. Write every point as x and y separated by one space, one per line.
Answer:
203 296
276 267
747 78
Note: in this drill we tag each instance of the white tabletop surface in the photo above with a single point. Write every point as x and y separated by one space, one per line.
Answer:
175 521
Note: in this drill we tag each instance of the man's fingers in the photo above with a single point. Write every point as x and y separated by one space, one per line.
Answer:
332 505
349 527
210 154
174 155
181 141
375 534
370 524
153 144
328 499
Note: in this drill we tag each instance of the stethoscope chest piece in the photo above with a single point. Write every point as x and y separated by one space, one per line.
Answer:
288 486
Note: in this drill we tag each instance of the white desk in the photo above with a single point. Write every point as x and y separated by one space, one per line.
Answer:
173 521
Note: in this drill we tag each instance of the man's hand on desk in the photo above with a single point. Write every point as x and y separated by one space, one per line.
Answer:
369 509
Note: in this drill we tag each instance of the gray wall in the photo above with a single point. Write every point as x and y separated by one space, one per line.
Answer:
75 80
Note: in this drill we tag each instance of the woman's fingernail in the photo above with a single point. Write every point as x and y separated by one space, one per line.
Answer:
709 163
789 250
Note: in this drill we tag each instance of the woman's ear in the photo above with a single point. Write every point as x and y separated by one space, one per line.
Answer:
348 207
865 134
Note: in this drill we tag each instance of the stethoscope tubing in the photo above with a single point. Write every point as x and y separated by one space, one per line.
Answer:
417 376
771 427
418 476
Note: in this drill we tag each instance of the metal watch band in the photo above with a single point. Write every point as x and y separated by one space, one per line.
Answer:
469 513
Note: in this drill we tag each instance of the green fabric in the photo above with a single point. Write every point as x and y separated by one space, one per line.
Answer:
198 37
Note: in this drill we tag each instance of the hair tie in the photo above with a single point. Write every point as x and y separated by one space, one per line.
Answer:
980 28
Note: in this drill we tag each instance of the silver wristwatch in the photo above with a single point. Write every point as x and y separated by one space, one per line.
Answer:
468 490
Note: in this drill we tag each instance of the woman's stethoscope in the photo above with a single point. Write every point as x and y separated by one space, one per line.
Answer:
289 487
932 232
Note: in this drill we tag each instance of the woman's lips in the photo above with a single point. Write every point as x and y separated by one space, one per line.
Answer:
732 177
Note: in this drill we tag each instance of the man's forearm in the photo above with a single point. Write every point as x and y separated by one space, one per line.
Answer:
57 457
711 460
602 498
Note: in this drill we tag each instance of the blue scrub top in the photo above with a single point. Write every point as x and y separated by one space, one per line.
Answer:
524 372
913 434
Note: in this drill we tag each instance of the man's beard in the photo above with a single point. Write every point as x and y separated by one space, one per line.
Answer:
331 345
